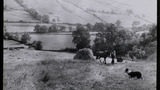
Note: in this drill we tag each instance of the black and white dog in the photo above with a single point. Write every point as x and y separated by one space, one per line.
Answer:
133 74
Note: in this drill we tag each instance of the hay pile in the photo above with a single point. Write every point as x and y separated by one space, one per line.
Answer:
84 54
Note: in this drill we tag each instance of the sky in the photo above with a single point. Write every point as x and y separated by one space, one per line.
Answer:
146 7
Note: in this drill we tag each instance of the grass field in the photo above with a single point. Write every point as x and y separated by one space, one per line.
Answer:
10 43
74 10
42 70
22 27
56 42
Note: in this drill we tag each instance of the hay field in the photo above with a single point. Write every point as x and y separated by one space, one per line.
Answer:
43 70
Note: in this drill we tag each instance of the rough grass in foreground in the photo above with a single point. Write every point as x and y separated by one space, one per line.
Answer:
77 75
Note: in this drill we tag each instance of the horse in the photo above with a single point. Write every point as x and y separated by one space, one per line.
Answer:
102 54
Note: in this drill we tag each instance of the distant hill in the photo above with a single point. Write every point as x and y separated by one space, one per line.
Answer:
71 11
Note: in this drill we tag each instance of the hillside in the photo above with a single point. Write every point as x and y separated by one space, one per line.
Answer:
14 12
71 11
42 70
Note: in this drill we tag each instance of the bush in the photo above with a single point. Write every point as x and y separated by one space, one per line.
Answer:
37 45
25 38
72 50
5 33
41 29
45 19
153 32
138 53
84 54
9 36
37 28
118 23
62 28
34 13
112 37
53 28
44 29
89 27
122 50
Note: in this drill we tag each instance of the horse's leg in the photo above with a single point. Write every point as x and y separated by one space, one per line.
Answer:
112 61
104 60
99 59
96 57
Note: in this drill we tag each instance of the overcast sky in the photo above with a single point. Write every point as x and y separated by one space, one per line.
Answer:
147 7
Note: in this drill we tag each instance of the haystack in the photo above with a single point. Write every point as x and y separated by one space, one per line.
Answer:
84 54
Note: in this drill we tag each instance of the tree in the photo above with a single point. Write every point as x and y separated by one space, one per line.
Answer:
149 37
118 23
112 38
9 36
16 37
105 40
40 29
129 11
37 45
99 44
135 23
37 28
99 27
112 12
39 17
44 29
81 37
53 20
89 26
62 28
70 28
53 28
33 13
144 35
45 19
4 31
58 20
79 25
20 1
25 38
137 52
153 32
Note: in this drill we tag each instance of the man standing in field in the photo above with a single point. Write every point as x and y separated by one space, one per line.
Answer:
113 55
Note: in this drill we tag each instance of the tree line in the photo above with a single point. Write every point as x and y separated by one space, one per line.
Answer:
23 38
115 37
34 13
110 36
53 28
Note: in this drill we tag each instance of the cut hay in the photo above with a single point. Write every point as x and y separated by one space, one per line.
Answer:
84 54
